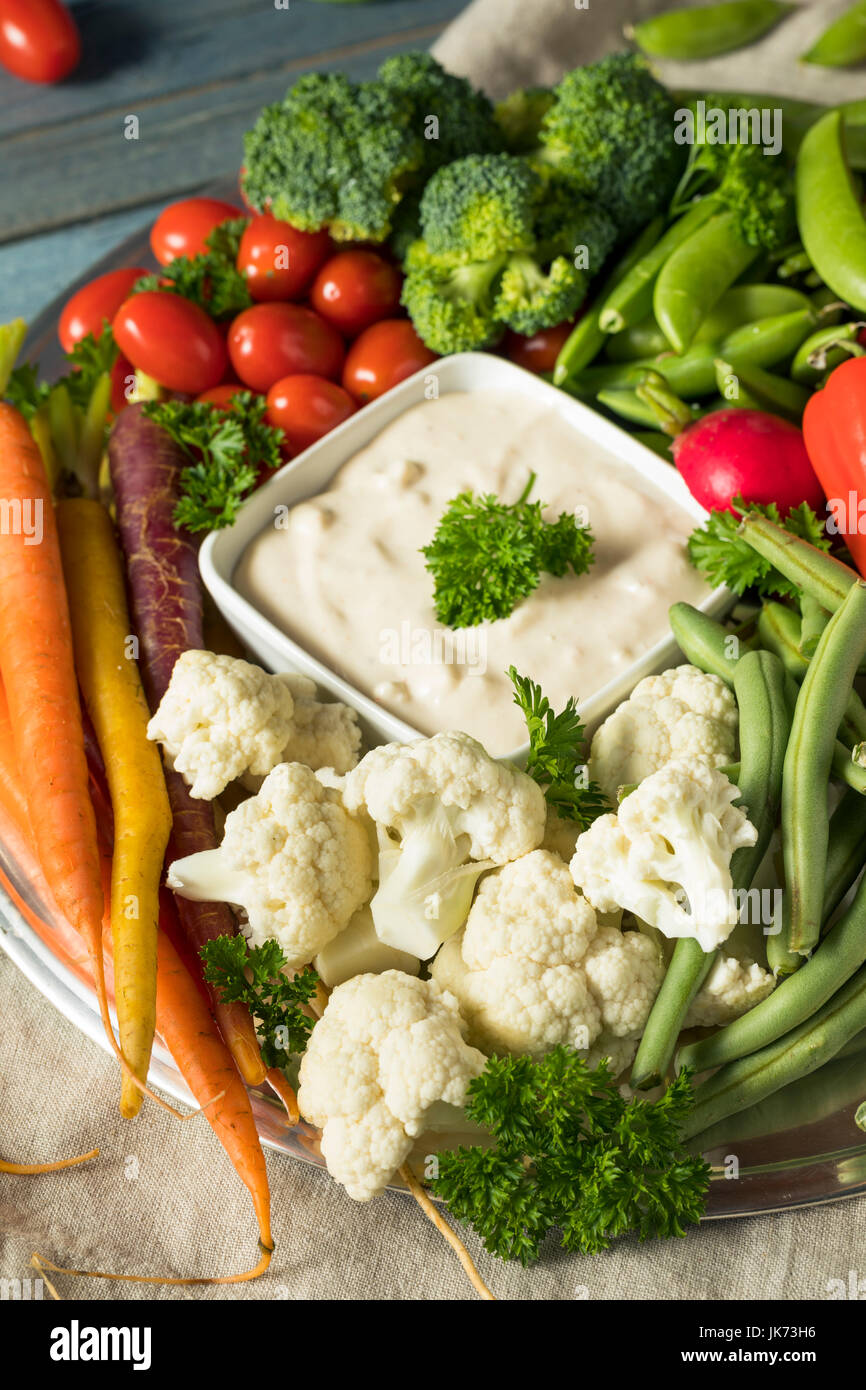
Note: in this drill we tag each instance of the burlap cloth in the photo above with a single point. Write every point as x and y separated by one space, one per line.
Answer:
162 1197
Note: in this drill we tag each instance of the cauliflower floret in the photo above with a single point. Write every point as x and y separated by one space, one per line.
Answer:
293 857
682 713
530 969
666 854
222 718
386 1051
732 987
560 835
457 812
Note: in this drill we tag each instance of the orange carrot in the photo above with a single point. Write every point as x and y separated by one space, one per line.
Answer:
38 673
11 792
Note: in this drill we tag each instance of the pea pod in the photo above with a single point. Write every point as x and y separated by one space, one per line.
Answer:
752 388
826 348
692 375
629 407
631 299
829 213
843 43
765 722
586 339
769 341
691 34
820 708
692 280
743 304
641 341
794 265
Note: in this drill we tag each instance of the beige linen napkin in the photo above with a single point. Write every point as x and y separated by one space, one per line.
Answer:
163 1198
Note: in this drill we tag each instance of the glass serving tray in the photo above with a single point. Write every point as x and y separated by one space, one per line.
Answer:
800 1148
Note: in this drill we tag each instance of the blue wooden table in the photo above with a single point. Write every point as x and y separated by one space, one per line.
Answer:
194 74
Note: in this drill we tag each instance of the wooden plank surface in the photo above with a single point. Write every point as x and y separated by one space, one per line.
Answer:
194 73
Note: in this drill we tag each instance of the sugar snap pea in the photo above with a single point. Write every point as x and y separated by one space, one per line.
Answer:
692 375
765 722
628 406
691 34
586 339
829 213
769 341
631 298
641 341
748 387
827 347
843 43
743 304
820 708
694 278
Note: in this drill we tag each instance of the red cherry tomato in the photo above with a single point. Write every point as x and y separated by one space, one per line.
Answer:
122 380
355 289
172 340
306 407
277 260
182 229
39 40
90 306
270 341
384 355
222 395
539 352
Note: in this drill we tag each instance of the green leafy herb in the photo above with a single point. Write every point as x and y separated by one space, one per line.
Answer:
487 555
212 281
571 1154
254 976
87 362
724 557
556 752
227 449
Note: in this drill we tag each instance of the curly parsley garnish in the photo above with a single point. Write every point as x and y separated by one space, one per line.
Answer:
212 281
724 557
487 555
571 1154
556 754
254 976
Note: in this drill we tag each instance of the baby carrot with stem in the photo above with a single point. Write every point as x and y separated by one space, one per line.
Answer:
112 691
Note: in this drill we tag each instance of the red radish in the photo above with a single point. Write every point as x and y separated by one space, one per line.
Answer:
749 454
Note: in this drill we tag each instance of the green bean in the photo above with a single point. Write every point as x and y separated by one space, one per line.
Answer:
747 387
694 278
764 726
743 304
812 570
814 620
690 34
820 708
847 771
798 1053
705 642
843 44
846 852
631 298
818 1096
829 213
780 631
640 341
860 1116
586 339
826 348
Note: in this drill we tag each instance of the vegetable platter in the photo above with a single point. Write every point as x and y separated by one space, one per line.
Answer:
375 888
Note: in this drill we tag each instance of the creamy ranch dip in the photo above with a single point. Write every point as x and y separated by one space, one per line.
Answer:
343 575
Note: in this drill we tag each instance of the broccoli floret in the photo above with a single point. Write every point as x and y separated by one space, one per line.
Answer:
406 224
451 304
569 225
333 154
610 131
531 298
450 116
520 116
481 206
758 188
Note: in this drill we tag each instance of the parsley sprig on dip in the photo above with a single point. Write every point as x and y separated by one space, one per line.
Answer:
487 555
571 1153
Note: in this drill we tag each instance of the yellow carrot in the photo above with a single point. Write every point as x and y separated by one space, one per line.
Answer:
108 673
